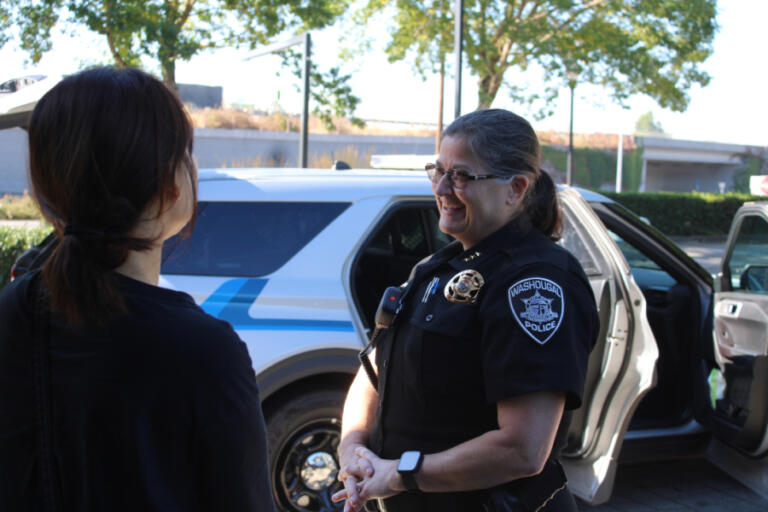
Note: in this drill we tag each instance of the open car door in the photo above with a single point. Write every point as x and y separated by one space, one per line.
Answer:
740 416
621 367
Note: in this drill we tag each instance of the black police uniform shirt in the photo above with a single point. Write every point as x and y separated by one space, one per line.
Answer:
158 411
443 366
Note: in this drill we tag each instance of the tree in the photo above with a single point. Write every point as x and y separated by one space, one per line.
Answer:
172 30
5 24
630 46
646 124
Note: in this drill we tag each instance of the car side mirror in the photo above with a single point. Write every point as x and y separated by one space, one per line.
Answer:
754 278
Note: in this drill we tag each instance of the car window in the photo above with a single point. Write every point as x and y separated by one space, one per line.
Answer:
635 258
247 239
748 262
437 237
571 241
406 235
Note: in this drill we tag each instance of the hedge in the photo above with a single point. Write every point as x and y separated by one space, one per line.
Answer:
15 240
689 214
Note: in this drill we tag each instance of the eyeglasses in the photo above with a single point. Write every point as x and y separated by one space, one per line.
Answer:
457 178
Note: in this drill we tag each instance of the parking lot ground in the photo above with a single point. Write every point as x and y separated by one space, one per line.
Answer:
706 251
678 486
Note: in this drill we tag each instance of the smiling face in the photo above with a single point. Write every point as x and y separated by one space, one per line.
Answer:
483 206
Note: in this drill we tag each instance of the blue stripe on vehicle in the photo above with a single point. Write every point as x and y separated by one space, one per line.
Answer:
232 300
224 294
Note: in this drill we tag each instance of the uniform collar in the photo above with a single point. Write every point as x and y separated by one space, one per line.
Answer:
508 236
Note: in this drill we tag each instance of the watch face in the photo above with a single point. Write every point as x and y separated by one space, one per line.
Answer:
409 461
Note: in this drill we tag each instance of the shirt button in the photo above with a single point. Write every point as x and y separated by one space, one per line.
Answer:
428 318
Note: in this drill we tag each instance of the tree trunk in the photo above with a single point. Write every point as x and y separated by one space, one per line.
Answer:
488 87
168 67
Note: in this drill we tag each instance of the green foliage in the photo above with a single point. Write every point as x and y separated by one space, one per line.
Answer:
646 124
753 166
168 31
14 207
14 241
5 22
690 214
330 91
629 46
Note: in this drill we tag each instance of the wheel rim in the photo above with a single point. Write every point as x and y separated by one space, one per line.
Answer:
307 468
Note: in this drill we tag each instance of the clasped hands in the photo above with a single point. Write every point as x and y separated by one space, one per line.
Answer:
366 477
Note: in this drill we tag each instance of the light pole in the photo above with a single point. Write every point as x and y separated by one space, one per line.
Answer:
459 44
306 42
572 76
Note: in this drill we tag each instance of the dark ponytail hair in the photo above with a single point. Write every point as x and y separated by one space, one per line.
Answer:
104 145
505 144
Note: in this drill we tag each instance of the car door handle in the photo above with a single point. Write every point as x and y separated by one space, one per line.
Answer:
732 309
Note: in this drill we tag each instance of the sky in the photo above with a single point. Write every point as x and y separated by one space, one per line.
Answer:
733 108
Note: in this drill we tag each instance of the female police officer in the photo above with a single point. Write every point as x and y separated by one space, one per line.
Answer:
490 346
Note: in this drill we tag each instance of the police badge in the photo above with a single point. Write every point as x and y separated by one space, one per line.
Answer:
464 287
538 306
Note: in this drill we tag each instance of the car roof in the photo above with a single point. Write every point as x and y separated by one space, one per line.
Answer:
278 184
281 184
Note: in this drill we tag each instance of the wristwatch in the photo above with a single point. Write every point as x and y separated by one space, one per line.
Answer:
409 465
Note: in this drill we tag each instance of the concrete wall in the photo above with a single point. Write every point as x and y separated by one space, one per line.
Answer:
685 177
232 148
13 161
251 148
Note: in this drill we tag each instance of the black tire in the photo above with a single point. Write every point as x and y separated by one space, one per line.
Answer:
303 435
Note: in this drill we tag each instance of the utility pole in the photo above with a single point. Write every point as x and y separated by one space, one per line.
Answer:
438 135
619 162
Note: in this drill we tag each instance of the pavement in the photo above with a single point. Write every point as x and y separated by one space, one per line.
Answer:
678 486
708 251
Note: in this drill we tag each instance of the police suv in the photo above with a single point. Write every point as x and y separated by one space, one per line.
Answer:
296 261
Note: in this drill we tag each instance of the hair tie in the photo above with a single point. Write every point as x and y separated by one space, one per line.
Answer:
75 230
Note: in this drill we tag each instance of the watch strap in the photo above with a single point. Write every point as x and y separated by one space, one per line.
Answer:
409 480
409 475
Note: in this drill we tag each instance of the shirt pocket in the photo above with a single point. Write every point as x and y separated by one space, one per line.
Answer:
449 350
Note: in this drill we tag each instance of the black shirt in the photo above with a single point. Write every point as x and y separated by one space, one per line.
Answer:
157 411
444 365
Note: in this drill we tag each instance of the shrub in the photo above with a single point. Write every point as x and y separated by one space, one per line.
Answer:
15 240
689 214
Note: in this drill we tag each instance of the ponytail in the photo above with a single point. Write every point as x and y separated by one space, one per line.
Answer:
543 207
77 275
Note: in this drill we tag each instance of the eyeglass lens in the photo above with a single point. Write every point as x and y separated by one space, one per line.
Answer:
456 178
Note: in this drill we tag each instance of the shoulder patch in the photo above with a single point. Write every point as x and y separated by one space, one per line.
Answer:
537 305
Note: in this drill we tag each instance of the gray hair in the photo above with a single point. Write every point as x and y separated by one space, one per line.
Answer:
506 145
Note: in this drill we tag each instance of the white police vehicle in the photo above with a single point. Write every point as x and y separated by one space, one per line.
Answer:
296 261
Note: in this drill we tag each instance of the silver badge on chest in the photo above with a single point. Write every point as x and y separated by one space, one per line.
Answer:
464 287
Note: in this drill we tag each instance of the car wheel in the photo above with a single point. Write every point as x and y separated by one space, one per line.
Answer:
303 436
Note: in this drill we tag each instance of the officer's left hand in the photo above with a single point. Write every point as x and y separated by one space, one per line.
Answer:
383 483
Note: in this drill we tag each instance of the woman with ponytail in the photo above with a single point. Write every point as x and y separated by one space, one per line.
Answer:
487 355
116 394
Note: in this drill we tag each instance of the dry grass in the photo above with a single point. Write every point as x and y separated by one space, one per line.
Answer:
587 140
17 207
324 160
283 122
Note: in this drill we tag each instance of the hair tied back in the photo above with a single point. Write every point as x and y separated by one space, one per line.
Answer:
75 230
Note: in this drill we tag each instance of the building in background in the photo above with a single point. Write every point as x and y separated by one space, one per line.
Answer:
675 165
